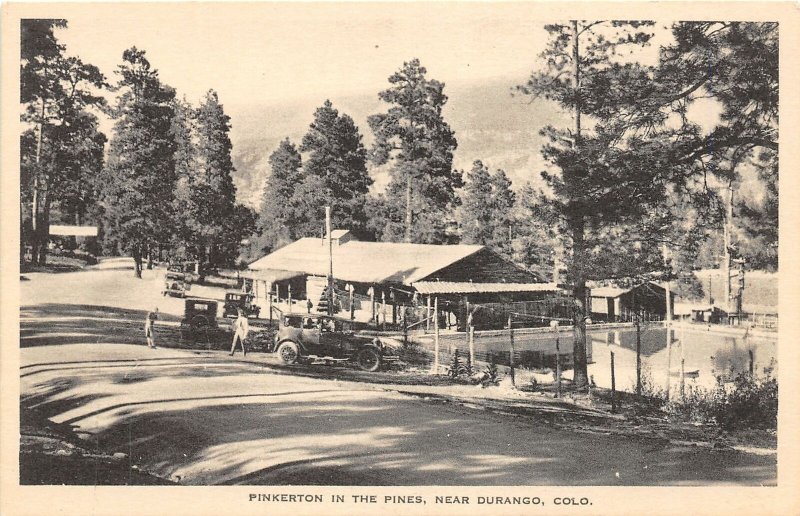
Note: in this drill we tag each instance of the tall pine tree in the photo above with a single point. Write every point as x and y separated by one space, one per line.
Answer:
139 177
414 137
335 173
65 144
213 194
596 185
278 216
487 204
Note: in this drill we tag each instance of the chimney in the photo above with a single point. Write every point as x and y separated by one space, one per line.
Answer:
341 236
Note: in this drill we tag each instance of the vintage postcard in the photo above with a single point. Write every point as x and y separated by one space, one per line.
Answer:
405 258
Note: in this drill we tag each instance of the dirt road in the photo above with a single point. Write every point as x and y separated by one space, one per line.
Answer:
203 418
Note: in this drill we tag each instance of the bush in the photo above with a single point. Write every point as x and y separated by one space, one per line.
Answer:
746 403
458 370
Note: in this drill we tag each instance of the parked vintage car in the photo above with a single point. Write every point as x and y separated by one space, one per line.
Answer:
199 323
304 337
175 284
236 300
194 272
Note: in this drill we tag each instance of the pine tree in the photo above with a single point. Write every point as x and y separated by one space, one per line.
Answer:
743 60
502 202
278 217
213 194
487 203
139 177
335 174
186 172
597 186
55 92
536 245
415 138
476 206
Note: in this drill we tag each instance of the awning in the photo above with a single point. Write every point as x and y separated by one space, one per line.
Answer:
454 287
270 275
63 230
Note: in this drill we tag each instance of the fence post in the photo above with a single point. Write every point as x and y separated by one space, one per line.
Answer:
511 341
383 310
352 303
428 315
554 325
471 330
372 305
269 302
683 379
436 336
613 387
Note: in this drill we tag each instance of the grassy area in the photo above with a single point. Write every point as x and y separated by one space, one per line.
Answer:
56 264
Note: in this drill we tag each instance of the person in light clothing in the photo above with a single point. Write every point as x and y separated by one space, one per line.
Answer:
240 330
149 333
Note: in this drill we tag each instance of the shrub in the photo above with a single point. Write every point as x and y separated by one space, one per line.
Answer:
746 403
457 369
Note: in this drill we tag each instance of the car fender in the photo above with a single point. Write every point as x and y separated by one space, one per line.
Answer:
374 344
303 349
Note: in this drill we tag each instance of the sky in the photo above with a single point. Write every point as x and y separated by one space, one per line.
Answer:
294 56
277 52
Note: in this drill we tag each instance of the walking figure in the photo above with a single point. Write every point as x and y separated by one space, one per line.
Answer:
149 331
240 330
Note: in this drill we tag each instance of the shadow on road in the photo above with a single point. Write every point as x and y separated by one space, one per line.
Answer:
58 324
306 436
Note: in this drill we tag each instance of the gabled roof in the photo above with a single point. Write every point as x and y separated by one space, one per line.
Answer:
365 262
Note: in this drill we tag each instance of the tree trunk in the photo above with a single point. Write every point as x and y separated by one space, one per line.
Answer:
137 260
44 228
35 215
581 375
21 238
37 172
409 214
149 258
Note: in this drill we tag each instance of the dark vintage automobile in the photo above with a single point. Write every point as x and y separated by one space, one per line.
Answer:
194 272
175 284
199 323
236 300
303 337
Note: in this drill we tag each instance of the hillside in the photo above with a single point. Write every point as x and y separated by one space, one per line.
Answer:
490 124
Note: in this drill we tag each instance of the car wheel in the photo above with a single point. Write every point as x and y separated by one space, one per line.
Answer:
289 352
199 321
368 360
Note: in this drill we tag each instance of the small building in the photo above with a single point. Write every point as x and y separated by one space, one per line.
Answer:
611 303
395 273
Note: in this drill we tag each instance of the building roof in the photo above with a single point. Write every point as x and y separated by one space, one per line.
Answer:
66 230
457 287
365 262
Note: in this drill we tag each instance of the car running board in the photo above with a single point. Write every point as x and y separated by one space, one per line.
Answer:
327 359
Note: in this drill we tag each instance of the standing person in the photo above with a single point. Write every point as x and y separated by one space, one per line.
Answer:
240 330
149 330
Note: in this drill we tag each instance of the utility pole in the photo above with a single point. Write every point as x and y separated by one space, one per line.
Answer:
668 328
726 257
330 259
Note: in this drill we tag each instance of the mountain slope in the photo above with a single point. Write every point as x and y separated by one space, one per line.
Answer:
490 124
